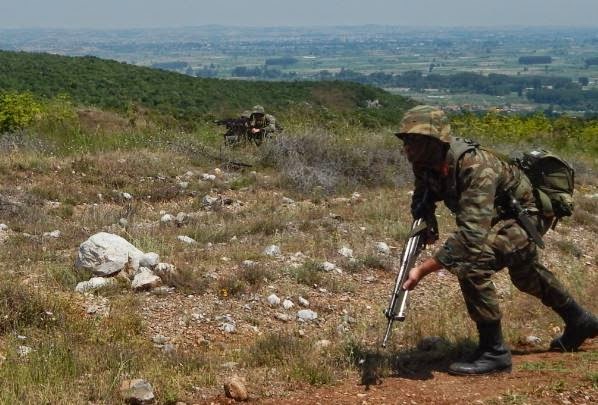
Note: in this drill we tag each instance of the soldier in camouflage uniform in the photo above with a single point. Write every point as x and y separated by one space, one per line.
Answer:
475 184
262 125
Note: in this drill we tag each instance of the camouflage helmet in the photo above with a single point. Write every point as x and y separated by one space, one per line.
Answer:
425 120
258 109
246 114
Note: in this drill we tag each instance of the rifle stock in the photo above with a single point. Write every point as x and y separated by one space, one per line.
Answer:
397 307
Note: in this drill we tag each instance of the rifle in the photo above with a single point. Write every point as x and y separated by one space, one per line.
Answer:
236 129
398 299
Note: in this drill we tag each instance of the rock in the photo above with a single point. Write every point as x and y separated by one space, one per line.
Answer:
93 284
54 234
272 250
355 196
208 200
322 344
327 266
228 327
345 251
207 177
169 348
106 247
273 300
24 351
287 304
137 392
164 269
533 340
149 260
186 239
159 339
307 315
217 172
282 317
108 269
249 264
286 200
234 388
382 248
182 218
3 227
188 174
126 196
183 184
123 222
166 219
303 302
145 279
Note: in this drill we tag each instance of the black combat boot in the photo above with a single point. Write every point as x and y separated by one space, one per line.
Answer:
579 326
492 354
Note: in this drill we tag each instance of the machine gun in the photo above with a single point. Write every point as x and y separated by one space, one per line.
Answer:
236 129
397 307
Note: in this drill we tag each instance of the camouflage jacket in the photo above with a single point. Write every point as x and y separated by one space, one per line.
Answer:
267 123
476 191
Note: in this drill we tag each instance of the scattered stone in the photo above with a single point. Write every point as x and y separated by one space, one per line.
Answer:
108 269
273 300
97 305
186 239
137 392
322 344
182 218
54 234
166 219
533 340
307 315
592 196
159 339
382 248
188 174
94 283
234 388
169 348
282 317
228 327
208 200
3 227
286 200
303 302
287 304
356 196
123 222
24 351
345 251
272 250
126 196
327 266
145 279
249 264
149 260
207 177
230 365
106 247
164 269
183 184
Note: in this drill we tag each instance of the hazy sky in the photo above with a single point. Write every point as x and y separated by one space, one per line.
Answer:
178 13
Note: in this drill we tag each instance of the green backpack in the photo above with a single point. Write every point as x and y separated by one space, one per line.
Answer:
553 181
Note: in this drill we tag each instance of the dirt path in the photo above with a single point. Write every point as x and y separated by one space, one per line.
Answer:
537 378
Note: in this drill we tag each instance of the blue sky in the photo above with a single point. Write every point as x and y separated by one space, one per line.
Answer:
179 13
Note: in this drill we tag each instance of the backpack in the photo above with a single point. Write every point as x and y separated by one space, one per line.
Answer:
553 180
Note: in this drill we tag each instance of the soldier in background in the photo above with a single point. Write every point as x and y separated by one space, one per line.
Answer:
261 125
475 185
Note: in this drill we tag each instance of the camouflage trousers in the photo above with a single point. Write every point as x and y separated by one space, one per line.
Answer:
508 246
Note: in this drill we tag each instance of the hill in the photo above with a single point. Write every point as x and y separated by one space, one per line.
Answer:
116 85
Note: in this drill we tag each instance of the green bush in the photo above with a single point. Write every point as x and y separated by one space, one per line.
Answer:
17 110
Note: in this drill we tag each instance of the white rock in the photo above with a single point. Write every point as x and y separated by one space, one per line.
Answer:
159 339
287 304
183 184
3 227
208 177
228 327
137 391
164 269
282 317
533 340
248 264
286 200
273 300
307 315
108 269
355 196
145 280
182 218
382 248
53 234
272 250
126 196
186 239
217 171
149 260
327 266
166 219
322 344
188 174
24 351
123 222
93 284
345 251
303 302
106 247
209 200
